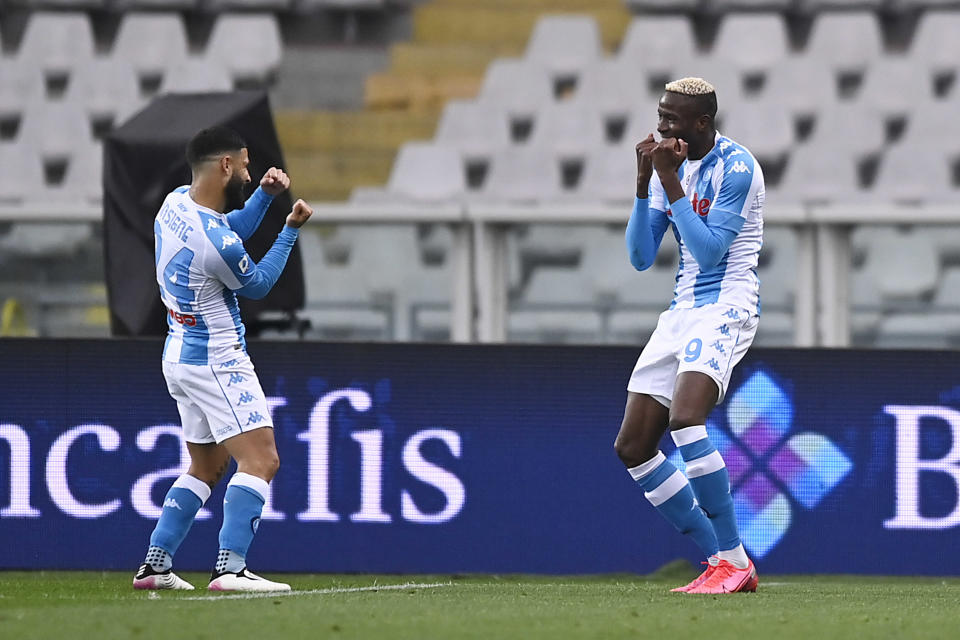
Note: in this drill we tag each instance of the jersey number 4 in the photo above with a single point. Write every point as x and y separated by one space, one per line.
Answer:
176 278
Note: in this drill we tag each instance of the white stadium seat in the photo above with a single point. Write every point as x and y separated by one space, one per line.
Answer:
800 86
427 171
845 42
21 174
474 129
819 174
935 45
151 42
57 42
564 44
56 129
568 129
22 85
196 75
893 87
106 87
249 46
752 42
658 43
518 86
523 175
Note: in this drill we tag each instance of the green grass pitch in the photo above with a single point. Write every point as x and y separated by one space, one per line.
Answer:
79 605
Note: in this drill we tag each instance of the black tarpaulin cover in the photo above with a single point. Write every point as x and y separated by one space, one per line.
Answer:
143 162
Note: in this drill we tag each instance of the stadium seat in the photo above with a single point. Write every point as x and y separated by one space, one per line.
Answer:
22 85
57 130
912 172
935 45
751 42
800 86
248 5
259 55
894 87
518 86
195 75
934 123
658 44
555 306
613 87
568 129
83 182
151 42
564 44
106 87
862 130
767 133
476 130
156 5
847 42
903 267
427 171
21 174
610 175
57 42
523 175
819 174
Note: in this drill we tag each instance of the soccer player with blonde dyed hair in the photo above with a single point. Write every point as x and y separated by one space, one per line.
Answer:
710 191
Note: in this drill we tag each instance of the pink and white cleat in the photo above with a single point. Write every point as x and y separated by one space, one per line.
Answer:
696 581
726 578
148 578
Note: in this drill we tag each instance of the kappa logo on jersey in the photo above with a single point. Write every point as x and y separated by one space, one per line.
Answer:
229 239
255 418
244 263
713 364
718 346
228 364
724 330
235 378
739 167
245 398
212 223
733 314
170 503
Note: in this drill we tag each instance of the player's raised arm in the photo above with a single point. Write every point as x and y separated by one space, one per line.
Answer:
708 238
247 220
647 225
255 279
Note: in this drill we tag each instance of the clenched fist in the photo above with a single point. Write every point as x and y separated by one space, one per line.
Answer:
669 155
299 215
275 181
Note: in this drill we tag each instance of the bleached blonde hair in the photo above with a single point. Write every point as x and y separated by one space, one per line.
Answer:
690 87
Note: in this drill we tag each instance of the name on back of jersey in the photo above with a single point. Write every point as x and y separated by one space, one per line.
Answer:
177 225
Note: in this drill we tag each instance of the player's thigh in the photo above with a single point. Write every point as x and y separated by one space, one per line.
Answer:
255 452
645 420
694 397
208 462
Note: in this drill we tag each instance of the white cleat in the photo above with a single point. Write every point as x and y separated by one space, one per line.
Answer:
147 578
244 580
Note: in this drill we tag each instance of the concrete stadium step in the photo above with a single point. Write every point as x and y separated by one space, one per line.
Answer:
306 131
331 175
440 59
416 92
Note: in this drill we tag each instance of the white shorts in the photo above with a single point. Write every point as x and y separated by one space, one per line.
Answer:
710 339
217 401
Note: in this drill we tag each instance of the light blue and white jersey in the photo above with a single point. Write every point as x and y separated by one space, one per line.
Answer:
200 262
728 179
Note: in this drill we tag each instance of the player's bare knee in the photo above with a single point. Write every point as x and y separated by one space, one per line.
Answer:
631 451
681 419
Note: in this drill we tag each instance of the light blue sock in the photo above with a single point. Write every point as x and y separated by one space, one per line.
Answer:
180 507
669 492
242 506
710 481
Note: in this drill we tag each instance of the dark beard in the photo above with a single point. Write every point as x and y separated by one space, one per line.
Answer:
234 194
